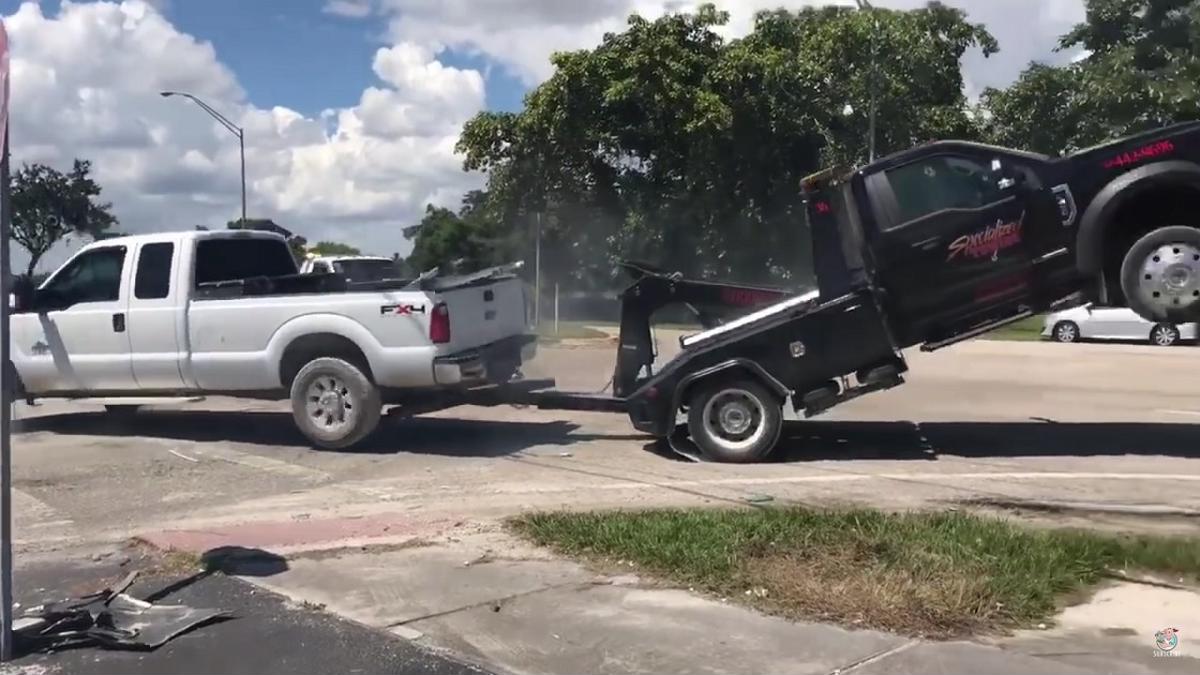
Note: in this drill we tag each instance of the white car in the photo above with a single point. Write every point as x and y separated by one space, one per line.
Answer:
186 313
1089 322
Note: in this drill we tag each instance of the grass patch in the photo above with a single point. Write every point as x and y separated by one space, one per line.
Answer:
931 574
1026 330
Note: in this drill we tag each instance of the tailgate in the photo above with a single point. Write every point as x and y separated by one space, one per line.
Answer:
483 313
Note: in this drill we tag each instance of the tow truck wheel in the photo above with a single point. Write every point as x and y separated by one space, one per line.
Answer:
334 403
1160 275
735 421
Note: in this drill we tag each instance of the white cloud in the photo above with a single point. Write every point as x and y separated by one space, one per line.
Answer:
521 34
351 9
86 84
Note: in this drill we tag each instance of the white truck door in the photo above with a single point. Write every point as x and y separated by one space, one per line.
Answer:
75 339
155 319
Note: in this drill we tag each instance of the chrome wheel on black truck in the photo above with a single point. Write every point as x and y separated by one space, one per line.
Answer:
1160 275
735 421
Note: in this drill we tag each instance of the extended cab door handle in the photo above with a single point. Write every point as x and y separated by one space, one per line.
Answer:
119 322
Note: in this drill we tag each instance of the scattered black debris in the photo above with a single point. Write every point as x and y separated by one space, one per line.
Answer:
109 619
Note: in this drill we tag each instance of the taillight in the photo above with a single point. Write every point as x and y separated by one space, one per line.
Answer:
439 325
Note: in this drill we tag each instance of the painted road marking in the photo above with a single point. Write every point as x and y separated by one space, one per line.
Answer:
1186 413
275 466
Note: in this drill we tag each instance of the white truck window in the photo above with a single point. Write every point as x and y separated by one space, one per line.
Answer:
94 276
232 259
153 279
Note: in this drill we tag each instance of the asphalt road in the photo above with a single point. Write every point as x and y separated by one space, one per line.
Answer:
1114 426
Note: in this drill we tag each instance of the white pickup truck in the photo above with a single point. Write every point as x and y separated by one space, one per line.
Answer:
225 312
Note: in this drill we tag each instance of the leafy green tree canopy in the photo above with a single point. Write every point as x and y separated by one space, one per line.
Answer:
47 205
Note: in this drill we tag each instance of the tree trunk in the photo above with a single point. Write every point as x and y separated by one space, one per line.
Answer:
33 261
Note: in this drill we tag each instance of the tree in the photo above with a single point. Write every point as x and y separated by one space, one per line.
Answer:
333 248
47 205
1140 69
444 237
670 143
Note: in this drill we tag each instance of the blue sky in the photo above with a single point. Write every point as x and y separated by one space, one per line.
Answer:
290 53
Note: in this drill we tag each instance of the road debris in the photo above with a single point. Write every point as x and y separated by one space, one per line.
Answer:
109 618
759 499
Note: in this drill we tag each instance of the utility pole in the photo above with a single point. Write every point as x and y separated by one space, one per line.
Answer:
6 387
865 5
537 274
230 126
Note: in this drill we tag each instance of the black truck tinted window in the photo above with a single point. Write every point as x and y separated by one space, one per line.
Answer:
153 279
943 182
94 276
237 258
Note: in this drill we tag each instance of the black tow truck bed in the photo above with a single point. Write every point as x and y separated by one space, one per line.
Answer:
801 348
758 339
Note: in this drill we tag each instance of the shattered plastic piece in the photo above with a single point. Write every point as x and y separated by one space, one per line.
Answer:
109 618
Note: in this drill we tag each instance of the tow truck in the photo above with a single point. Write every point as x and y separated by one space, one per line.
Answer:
932 246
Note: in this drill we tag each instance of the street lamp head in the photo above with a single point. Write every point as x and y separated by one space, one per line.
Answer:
166 94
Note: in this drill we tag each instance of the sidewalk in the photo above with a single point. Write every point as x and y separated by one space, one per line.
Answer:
268 635
509 607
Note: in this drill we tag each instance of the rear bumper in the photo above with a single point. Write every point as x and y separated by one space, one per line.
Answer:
485 364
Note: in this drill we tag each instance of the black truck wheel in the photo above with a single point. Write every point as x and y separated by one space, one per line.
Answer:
735 421
1160 275
335 405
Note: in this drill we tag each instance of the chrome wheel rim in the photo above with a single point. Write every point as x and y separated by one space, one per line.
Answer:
1163 336
1067 333
1170 277
735 419
330 403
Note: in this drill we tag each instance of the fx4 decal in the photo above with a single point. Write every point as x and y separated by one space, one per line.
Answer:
401 310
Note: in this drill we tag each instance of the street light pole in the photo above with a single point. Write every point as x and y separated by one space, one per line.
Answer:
230 126
865 5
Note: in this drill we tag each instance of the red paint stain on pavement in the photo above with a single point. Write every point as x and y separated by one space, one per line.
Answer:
293 533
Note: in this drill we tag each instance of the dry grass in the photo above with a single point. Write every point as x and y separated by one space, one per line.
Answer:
931 574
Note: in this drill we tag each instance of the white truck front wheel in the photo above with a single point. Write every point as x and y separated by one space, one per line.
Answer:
334 403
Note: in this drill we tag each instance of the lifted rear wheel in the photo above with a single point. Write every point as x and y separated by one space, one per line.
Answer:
735 421
1160 275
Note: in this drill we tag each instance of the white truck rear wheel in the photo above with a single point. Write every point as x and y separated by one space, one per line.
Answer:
334 403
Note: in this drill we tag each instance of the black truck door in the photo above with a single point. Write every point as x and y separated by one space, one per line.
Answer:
952 241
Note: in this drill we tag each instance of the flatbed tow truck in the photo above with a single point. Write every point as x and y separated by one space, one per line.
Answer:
930 247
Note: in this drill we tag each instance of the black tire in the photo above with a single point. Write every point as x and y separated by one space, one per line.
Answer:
347 408
1065 331
1164 290
745 399
122 410
1164 335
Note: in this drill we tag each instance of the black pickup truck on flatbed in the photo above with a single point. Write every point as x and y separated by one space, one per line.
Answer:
927 247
